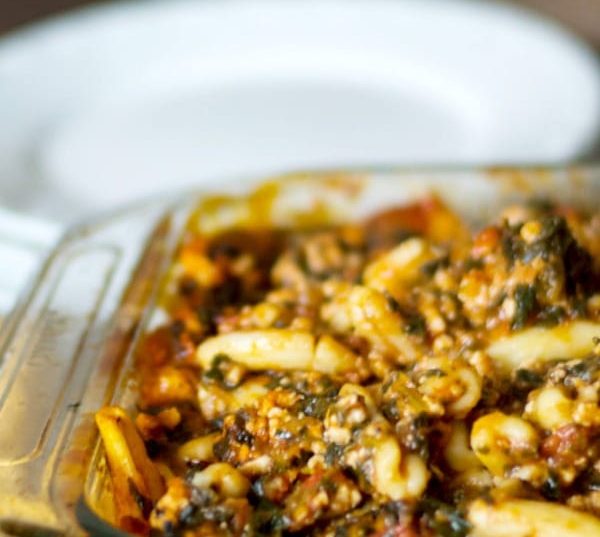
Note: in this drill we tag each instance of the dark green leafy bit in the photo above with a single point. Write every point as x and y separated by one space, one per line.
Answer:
388 519
213 513
511 243
235 435
514 390
239 431
315 406
414 323
414 434
333 454
527 379
442 519
587 370
557 246
199 498
525 305
390 410
393 304
216 369
554 239
268 519
551 487
200 508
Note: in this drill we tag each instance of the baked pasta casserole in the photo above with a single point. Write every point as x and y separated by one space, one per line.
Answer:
401 376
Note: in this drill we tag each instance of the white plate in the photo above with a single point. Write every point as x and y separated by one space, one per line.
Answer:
118 101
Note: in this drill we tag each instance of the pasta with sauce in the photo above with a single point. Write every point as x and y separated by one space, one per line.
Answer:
400 376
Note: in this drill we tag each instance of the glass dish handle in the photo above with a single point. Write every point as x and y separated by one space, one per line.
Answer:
24 242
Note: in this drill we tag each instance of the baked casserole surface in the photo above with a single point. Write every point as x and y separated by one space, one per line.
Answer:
405 375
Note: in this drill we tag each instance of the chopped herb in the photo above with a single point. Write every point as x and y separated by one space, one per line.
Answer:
268 518
282 434
221 448
509 242
585 369
390 410
551 487
186 515
315 406
555 244
239 431
415 325
328 485
552 240
333 454
274 382
443 519
341 531
168 528
526 302
527 380
216 371
393 304
396 509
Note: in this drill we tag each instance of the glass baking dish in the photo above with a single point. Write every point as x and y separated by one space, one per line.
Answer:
67 349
